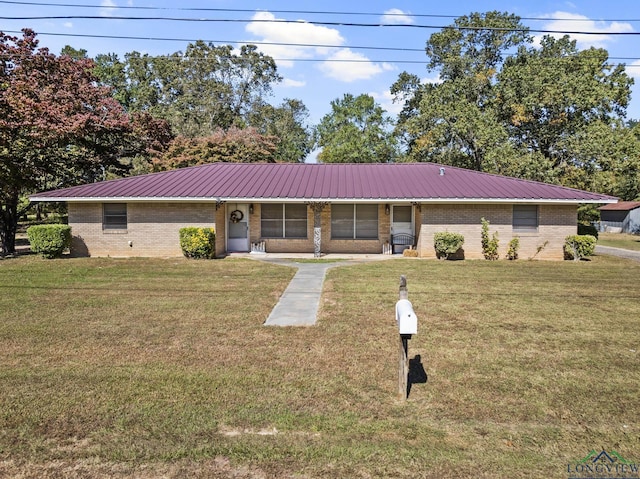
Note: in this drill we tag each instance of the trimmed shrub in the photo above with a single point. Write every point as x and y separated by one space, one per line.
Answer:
514 246
585 229
198 243
577 247
49 240
447 244
410 253
489 246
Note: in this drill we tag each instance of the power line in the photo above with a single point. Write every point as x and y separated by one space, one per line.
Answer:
330 60
297 12
314 22
233 42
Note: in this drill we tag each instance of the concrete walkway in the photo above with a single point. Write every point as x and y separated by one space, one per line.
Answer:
298 305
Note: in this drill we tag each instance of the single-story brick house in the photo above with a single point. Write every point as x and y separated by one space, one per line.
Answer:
321 208
622 217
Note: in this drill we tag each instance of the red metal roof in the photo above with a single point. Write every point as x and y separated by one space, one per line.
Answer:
321 182
621 206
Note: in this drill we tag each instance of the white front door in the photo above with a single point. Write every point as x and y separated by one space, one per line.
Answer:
237 227
401 222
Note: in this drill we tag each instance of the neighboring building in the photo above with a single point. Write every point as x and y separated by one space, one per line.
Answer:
328 208
622 217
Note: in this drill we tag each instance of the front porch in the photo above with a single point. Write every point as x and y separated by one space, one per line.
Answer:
321 228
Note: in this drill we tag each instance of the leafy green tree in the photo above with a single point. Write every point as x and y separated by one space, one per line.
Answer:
550 113
287 122
569 106
356 131
57 128
198 91
73 53
455 122
407 90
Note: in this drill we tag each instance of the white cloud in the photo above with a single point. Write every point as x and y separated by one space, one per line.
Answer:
68 25
299 32
633 70
324 43
396 16
565 22
435 80
108 8
385 100
348 66
290 83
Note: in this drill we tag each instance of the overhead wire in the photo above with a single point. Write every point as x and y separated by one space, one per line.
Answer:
303 45
298 12
321 23
265 43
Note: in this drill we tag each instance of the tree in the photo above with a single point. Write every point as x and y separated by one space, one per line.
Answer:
233 145
356 131
408 90
549 113
56 126
454 121
569 107
74 53
287 122
199 91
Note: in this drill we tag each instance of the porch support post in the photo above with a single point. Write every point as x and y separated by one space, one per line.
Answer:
317 207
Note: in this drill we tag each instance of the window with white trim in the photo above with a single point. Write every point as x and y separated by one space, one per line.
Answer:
525 218
114 216
354 221
283 220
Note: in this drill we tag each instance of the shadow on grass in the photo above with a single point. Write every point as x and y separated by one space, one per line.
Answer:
417 373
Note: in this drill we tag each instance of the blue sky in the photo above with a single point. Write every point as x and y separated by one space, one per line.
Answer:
312 74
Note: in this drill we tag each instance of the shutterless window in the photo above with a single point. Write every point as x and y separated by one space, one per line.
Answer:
354 221
283 220
114 216
525 217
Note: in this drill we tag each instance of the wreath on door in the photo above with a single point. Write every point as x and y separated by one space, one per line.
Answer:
236 216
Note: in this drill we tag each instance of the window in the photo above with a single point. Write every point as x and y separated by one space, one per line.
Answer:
354 221
283 220
114 216
525 218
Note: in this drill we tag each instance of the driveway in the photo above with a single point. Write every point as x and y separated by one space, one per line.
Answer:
622 253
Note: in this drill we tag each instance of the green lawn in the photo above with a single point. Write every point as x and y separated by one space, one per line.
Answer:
162 368
620 240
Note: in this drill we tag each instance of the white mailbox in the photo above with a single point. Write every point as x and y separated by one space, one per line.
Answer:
406 317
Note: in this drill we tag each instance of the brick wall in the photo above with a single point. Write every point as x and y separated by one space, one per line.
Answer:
152 228
555 223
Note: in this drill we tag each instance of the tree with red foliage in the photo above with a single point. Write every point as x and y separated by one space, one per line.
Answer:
57 127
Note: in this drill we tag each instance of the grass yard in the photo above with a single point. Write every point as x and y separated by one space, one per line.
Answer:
620 240
162 368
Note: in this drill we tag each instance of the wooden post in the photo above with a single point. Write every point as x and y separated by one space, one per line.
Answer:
403 376
403 292
403 370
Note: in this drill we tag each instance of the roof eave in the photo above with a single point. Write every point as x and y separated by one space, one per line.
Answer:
208 199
